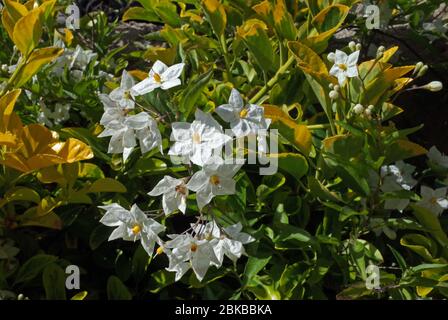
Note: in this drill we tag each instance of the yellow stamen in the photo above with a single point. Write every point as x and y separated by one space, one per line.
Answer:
136 229
215 180
157 78
433 200
196 138
194 247
127 94
244 112
159 250
342 66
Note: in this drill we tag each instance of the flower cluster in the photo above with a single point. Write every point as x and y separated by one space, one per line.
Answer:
199 144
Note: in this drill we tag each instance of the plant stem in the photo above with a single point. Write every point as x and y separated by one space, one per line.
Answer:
225 52
273 81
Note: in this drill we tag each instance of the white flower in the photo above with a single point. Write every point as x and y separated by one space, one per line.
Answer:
7 249
229 240
174 192
197 141
122 95
345 66
56 117
243 119
149 136
395 178
433 200
132 225
160 76
187 252
124 130
113 113
215 179
436 157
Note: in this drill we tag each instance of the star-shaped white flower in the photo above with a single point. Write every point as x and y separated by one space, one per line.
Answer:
345 66
188 251
196 141
146 131
433 200
396 178
132 225
125 129
437 158
174 192
229 240
243 119
215 179
122 95
160 76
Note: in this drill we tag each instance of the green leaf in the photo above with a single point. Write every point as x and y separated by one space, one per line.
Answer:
33 267
98 236
432 225
293 163
140 263
54 282
216 15
20 194
193 92
139 13
116 290
106 185
253 266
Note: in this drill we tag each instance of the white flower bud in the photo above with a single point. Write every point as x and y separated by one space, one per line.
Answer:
358 47
352 45
434 86
358 109
371 107
337 88
422 71
368 112
418 66
331 86
333 95
331 56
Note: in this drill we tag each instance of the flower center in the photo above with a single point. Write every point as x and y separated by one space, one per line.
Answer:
244 112
127 94
136 229
433 200
157 78
214 179
196 138
181 189
342 66
194 247
159 250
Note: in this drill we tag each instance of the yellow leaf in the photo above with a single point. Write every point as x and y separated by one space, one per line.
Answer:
326 24
35 62
27 32
216 15
68 36
8 23
39 149
298 134
7 103
15 9
388 54
8 139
